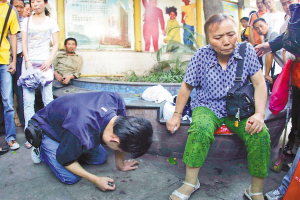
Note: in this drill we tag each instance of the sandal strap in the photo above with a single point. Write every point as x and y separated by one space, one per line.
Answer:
180 195
253 194
189 184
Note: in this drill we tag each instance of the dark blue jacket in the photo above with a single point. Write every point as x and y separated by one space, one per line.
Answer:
77 121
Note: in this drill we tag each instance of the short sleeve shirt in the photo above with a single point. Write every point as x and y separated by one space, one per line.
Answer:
189 14
211 82
13 27
39 37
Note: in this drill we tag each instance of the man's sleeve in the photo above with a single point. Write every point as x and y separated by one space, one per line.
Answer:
14 25
183 8
78 67
251 20
55 63
69 149
276 44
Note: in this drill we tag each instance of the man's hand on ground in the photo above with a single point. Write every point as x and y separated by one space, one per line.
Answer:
130 165
102 183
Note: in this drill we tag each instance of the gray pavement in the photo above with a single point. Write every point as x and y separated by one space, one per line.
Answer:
155 179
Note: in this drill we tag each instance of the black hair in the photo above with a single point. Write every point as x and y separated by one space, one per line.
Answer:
12 1
135 134
259 19
244 18
253 11
216 19
70 39
47 13
171 9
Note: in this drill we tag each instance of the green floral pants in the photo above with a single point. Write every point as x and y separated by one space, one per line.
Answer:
201 135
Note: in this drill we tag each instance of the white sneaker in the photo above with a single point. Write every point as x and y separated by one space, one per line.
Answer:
35 155
274 195
13 145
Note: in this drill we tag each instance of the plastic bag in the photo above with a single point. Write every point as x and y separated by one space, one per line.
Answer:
156 93
169 109
280 91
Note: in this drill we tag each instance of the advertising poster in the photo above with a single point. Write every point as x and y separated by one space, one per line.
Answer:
100 24
158 17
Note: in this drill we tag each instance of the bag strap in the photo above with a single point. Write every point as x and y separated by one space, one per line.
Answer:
257 15
5 23
239 69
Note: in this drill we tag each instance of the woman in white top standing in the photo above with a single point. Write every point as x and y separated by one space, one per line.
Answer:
36 49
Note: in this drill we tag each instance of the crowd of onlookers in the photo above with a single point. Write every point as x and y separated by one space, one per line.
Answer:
25 49
264 26
27 39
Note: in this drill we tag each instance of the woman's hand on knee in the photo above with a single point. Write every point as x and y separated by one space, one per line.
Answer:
255 123
173 124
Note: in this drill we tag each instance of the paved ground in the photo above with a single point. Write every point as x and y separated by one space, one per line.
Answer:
154 180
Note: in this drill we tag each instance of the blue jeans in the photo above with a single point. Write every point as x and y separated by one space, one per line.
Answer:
288 177
29 97
48 155
18 90
8 103
187 35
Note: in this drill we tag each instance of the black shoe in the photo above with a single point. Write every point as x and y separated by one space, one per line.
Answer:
3 150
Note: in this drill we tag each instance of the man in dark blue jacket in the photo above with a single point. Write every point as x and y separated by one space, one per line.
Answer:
73 128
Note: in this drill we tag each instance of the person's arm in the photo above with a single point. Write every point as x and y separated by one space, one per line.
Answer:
284 57
268 62
125 165
78 67
12 67
162 22
277 43
145 4
58 77
251 35
182 17
46 64
260 97
100 182
185 90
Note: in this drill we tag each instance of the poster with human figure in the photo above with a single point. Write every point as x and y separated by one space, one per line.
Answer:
188 20
159 21
152 18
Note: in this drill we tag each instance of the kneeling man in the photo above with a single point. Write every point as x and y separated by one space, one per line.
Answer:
74 126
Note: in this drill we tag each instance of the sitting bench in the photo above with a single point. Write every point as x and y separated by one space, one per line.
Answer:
226 146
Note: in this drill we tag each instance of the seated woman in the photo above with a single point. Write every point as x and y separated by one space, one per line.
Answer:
212 72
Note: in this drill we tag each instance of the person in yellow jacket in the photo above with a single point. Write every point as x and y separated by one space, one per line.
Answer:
173 33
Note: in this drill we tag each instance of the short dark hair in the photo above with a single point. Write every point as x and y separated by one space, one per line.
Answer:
135 134
244 18
259 19
171 9
12 1
215 19
70 39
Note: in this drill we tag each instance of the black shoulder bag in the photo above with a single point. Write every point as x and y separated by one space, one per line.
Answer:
240 101
5 23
